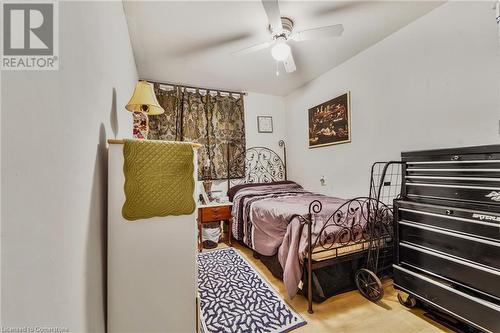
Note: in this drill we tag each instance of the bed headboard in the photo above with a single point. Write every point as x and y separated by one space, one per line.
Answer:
262 165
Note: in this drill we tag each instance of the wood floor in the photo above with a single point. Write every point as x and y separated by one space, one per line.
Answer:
351 312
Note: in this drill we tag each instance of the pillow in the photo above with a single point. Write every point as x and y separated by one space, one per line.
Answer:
233 190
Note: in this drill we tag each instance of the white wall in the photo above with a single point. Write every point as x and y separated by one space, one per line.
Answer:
264 105
434 83
54 127
261 105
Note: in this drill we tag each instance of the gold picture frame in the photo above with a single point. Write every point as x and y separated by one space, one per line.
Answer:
330 122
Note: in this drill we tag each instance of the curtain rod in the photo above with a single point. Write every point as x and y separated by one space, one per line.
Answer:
243 93
195 145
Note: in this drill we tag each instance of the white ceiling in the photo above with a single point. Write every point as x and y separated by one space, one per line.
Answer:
174 41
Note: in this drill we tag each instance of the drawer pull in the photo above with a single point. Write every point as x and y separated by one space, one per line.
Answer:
452 170
490 160
455 158
449 212
455 186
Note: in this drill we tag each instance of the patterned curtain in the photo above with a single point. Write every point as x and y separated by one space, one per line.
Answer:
209 118
194 126
227 125
166 126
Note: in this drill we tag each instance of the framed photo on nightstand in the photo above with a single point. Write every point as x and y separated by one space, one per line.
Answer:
265 124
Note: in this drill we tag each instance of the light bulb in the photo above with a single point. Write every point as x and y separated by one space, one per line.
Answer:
280 51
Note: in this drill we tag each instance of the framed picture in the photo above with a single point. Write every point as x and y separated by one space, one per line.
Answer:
330 122
265 124
204 199
214 195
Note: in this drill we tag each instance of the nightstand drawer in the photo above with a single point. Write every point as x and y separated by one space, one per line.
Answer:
216 213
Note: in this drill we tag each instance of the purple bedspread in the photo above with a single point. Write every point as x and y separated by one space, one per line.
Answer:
265 219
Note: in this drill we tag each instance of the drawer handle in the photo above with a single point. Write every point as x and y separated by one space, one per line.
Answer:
449 212
455 158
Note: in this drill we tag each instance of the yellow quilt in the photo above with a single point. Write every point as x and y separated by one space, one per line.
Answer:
158 179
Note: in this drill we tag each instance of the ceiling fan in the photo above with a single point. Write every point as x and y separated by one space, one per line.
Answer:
281 29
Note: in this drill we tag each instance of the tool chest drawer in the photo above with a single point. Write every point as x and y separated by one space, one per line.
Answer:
478 250
463 192
464 272
468 221
441 295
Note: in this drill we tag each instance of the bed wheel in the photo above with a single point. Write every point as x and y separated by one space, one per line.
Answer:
410 301
369 285
255 255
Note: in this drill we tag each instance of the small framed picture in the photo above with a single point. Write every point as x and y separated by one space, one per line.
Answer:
214 195
204 199
265 124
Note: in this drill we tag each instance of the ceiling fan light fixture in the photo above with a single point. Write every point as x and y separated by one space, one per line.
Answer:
281 50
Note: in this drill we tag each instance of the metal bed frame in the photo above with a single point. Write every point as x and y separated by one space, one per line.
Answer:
342 229
262 165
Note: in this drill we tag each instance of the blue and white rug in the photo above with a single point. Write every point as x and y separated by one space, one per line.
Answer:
234 298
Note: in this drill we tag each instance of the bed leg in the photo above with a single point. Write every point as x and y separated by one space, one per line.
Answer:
309 288
309 293
309 264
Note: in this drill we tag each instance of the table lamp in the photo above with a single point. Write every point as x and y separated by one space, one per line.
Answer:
143 103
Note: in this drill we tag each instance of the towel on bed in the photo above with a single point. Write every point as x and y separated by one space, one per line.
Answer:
159 179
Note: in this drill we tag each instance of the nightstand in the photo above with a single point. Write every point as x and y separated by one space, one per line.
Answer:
214 213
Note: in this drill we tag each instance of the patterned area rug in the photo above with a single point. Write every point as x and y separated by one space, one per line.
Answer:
234 298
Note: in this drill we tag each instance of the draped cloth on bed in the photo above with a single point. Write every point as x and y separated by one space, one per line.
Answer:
265 219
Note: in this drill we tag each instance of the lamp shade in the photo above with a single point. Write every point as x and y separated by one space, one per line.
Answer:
144 100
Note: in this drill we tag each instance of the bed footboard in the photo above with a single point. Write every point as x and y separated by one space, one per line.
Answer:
352 228
360 226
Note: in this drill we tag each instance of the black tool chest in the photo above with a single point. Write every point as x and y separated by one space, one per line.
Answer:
448 233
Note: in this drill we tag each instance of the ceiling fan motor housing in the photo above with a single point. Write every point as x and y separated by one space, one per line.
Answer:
287 24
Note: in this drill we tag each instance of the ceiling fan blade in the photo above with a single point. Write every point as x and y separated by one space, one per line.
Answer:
340 7
289 64
207 45
253 48
317 33
273 14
